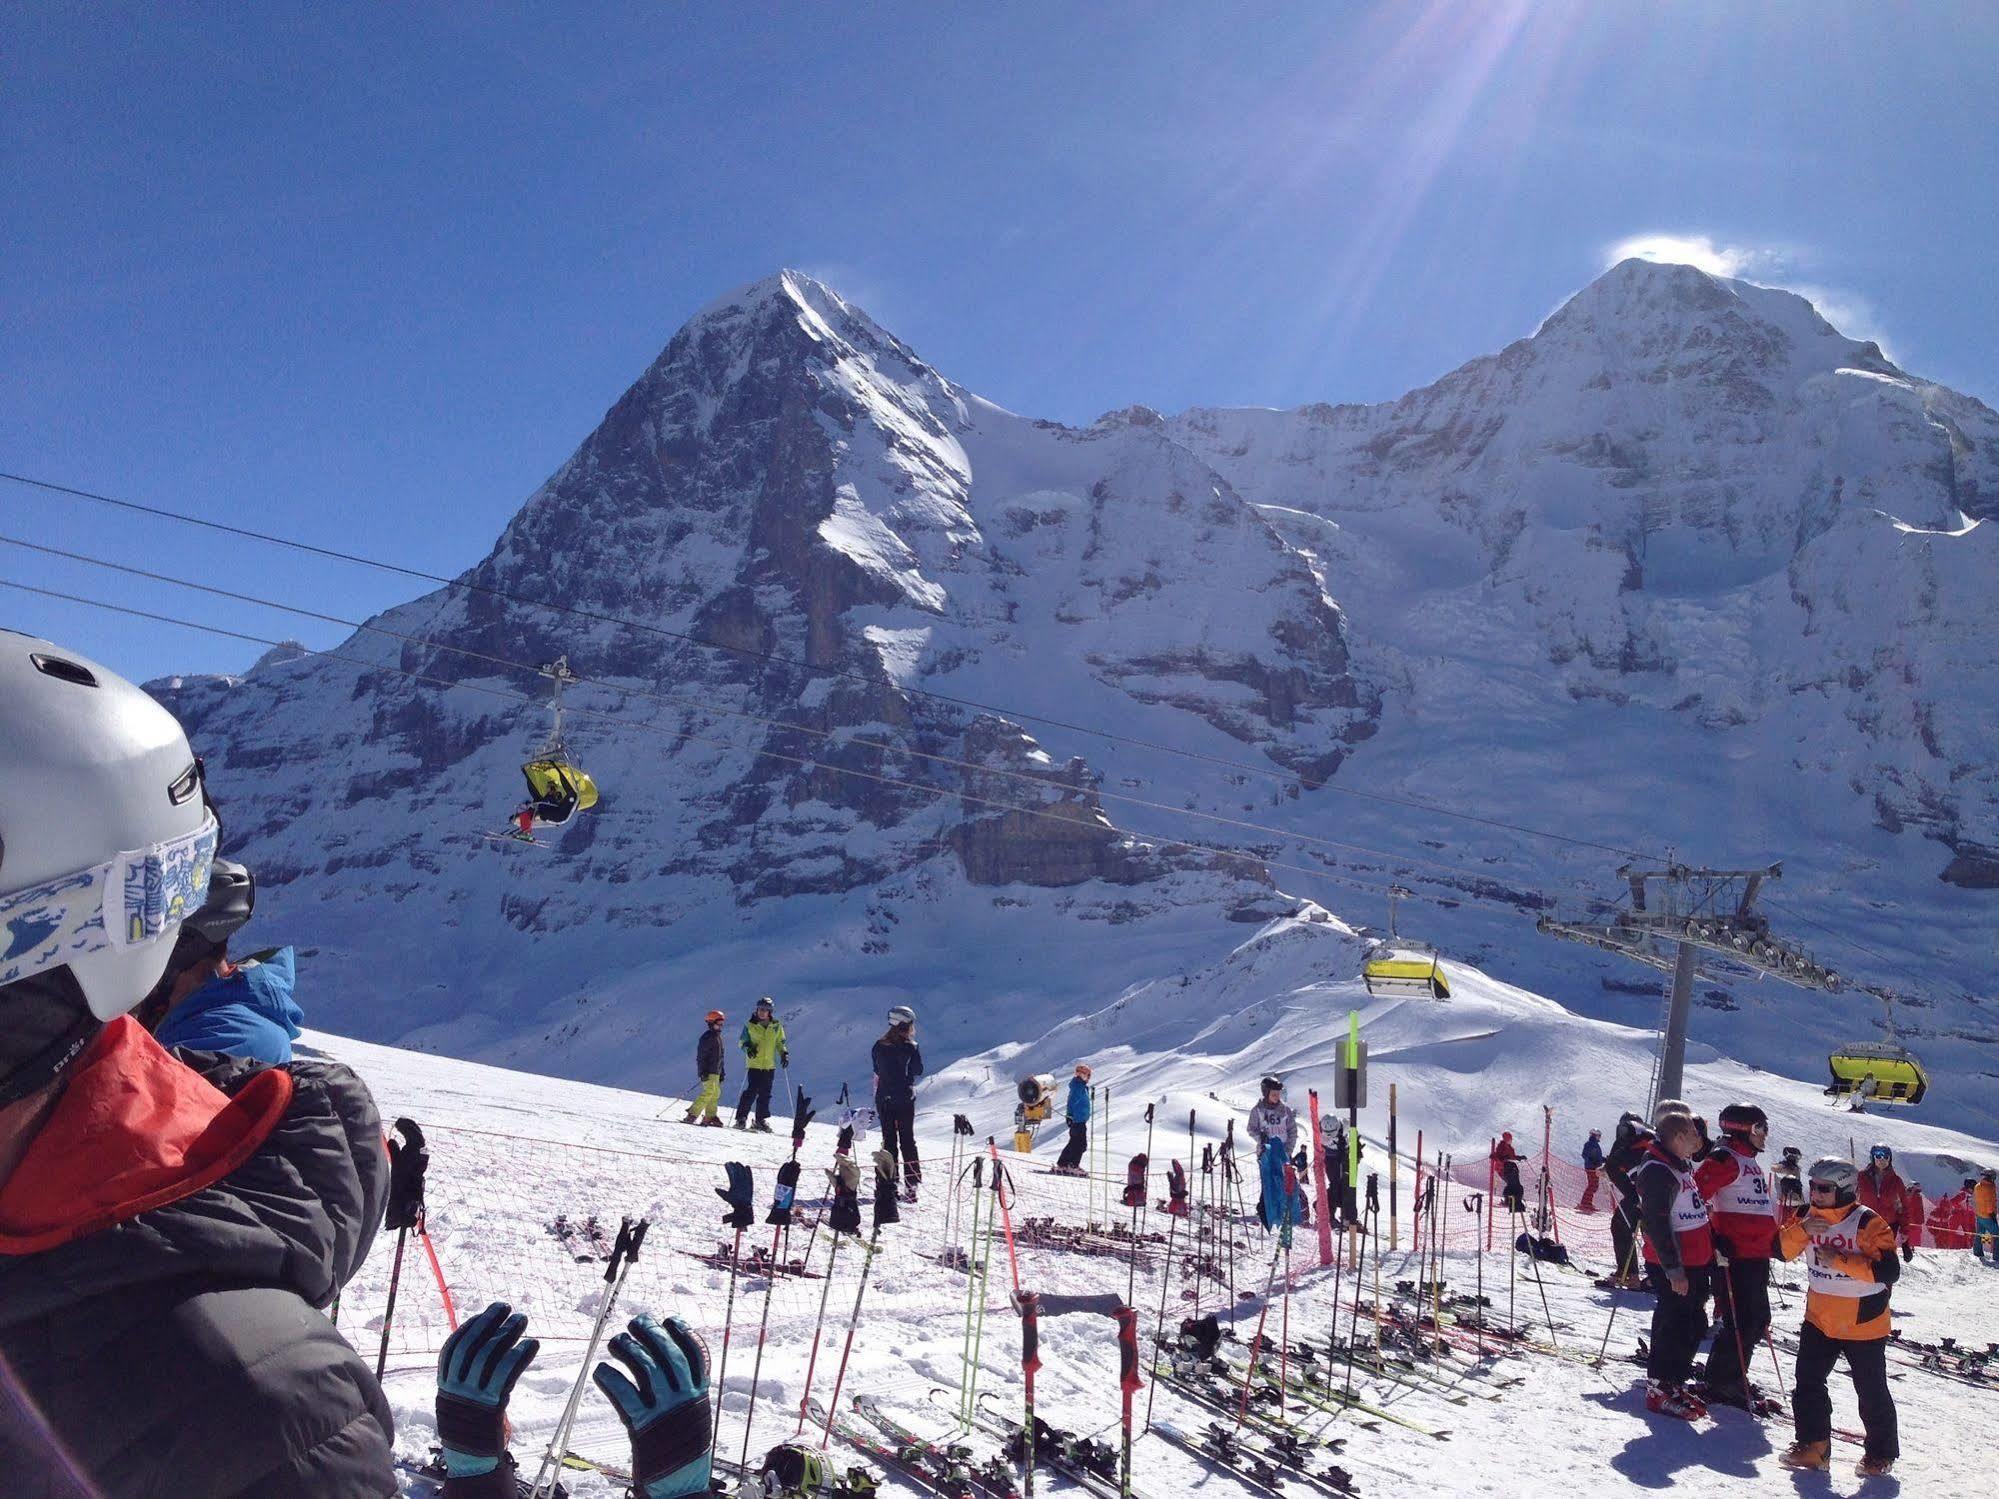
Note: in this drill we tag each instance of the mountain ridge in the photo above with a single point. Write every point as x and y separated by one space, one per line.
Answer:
1554 586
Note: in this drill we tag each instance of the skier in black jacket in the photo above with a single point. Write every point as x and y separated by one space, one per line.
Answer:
1626 1151
898 1064
169 1222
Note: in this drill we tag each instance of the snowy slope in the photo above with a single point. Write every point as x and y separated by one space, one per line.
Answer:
511 1151
1685 569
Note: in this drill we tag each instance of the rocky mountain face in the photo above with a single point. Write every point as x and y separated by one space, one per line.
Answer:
1684 568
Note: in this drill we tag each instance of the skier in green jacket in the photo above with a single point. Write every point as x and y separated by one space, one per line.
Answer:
764 1052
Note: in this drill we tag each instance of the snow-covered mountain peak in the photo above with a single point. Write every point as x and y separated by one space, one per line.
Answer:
1678 320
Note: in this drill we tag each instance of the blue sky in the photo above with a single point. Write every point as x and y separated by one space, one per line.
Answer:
367 274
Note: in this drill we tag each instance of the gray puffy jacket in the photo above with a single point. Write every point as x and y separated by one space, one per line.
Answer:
179 1355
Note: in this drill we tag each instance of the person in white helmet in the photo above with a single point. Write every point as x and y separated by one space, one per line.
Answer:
897 1065
167 1226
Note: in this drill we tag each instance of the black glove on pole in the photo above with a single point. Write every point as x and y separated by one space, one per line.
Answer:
409 1159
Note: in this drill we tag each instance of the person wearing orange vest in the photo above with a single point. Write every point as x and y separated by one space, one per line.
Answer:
1985 1216
1850 1253
1744 1210
1679 1256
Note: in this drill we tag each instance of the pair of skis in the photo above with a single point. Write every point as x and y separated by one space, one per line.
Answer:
586 1242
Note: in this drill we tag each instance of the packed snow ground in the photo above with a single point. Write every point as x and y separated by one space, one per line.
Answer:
511 1151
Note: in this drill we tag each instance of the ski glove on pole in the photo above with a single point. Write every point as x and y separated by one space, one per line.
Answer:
1134 1181
409 1158
1176 1189
476 1372
846 1211
801 1116
960 1125
845 1142
738 1195
664 1405
787 1190
885 1208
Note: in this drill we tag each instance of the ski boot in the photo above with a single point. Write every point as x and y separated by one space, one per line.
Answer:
690 1117
713 1121
1874 1467
912 1178
1808 1457
763 1126
742 1124
1673 1400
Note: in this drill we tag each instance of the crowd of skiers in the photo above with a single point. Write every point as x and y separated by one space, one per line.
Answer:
896 1061
1705 1218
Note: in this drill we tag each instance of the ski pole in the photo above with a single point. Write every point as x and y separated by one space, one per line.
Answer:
1256 1345
1159 1328
728 1321
780 1215
1623 1273
1735 1326
1373 1211
975 1301
409 1159
1377 1258
885 1212
1475 1205
818 1327
624 1251
1128 1382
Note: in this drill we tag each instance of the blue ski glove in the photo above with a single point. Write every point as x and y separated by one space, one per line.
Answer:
737 1196
476 1372
667 1411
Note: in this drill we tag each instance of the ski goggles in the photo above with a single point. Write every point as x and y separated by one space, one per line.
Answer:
127 901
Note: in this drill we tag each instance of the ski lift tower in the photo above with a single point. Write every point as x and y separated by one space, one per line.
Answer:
1674 914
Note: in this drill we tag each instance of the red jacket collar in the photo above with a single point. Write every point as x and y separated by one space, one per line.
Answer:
134 1130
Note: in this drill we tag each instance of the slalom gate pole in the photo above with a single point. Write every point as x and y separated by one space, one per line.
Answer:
1159 1327
389 1313
840 1377
1128 1383
624 1252
1475 1205
818 1327
728 1320
1318 1164
1373 1211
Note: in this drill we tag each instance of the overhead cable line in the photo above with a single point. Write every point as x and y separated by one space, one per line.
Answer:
775 658
937 792
707 706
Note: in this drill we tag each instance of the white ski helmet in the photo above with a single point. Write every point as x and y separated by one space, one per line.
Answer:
106 841
902 1015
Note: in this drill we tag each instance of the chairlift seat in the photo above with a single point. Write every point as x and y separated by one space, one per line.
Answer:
1878 1073
1391 973
558 790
